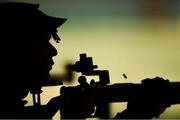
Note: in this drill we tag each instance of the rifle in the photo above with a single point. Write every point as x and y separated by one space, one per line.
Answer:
153 89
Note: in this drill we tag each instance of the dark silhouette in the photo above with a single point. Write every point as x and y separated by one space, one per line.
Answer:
26 59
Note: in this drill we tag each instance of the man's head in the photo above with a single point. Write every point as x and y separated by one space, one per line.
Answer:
25 17
25 32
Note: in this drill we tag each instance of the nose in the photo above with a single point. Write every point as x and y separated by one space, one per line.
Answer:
52 50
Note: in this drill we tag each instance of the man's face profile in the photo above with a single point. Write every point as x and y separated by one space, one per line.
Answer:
26 32
42 54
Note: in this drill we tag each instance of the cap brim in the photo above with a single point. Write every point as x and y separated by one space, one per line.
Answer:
56 22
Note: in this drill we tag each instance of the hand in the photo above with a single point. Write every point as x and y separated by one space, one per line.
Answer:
149 103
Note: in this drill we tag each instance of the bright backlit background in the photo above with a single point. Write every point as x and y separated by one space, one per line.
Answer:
140 38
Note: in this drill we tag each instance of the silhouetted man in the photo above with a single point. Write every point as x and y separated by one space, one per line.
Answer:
26 57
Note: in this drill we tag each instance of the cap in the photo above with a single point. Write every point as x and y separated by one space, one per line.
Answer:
27 16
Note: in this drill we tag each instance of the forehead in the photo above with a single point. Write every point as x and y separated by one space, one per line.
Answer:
40 37
42 34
